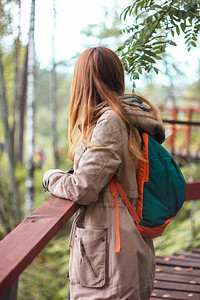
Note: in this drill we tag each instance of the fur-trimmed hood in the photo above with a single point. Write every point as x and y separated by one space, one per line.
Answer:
141 114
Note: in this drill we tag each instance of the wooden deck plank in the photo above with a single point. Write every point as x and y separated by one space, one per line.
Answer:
169 294
179 258
188 255
177 278
181 262
177 286
178 270
196 251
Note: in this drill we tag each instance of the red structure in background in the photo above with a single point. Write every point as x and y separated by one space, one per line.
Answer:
188 122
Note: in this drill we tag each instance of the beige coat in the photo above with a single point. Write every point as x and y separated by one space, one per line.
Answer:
96 271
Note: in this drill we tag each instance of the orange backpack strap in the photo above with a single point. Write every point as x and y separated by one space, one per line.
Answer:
113 191
126 201
142 174
115 185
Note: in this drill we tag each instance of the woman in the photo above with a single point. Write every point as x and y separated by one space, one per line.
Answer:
108 144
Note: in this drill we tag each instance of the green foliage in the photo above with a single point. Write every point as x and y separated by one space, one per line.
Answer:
9 81
5 19
191 171
154 22
7 208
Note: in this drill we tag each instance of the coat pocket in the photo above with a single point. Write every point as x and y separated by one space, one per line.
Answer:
88 257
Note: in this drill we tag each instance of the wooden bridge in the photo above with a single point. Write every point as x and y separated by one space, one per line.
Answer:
177 277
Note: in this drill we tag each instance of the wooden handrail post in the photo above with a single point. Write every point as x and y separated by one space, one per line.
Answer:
188 132
173 128
11 292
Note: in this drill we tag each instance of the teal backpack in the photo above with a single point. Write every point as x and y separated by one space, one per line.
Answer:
161 190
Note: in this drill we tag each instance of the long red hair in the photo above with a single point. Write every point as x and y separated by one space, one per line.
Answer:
98 77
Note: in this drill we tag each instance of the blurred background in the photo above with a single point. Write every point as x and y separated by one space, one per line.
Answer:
39 44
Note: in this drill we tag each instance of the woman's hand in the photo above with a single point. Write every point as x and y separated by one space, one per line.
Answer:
47 177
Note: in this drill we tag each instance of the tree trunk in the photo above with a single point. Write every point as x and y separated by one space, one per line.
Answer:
4 218
22 108
30 116
8 142
16 110
52 98
15 129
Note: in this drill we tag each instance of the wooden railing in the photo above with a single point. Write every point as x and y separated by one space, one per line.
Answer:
21 246
173 118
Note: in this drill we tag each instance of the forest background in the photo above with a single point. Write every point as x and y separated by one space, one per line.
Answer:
34 101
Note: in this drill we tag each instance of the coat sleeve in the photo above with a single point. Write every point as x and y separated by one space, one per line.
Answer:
96 167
